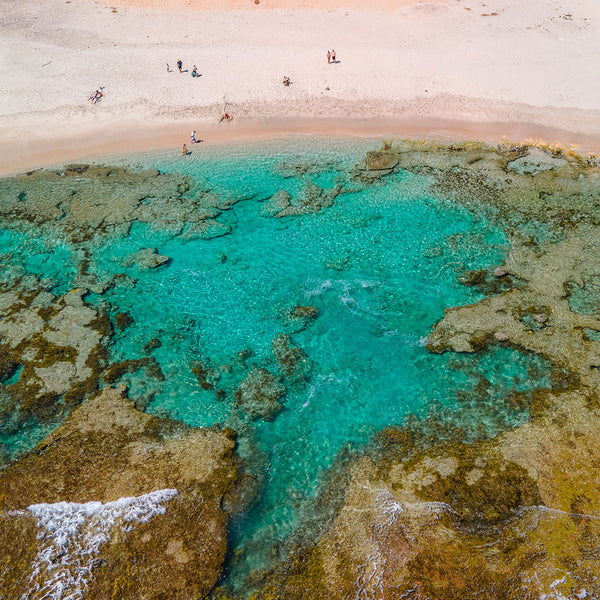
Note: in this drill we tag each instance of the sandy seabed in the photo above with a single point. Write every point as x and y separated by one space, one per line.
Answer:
446 69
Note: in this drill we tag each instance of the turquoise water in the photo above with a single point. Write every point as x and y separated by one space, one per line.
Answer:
379 265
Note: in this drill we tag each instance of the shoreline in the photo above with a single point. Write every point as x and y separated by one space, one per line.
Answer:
21 151
438 69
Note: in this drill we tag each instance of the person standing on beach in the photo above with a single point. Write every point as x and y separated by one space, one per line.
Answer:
333 56
194 136
168 68
328 57
179 65
184 150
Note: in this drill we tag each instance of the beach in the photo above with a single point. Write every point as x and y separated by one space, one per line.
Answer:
444 70
345 346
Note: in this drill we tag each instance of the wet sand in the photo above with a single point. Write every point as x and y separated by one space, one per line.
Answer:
123 138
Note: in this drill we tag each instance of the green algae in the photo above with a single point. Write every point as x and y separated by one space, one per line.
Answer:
500 489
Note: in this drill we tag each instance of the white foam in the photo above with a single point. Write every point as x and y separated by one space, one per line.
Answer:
322 286
72 534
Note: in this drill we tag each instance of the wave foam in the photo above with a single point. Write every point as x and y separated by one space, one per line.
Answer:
72 534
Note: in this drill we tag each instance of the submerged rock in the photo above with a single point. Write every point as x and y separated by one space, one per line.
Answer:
206 230
207 377
292 360
157 527
258 395
146 258
312 200
298 318
275 204
123 320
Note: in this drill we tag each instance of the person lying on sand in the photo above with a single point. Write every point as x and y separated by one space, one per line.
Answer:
95 97
286 80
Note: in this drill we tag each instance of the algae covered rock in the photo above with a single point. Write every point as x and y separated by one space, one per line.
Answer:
291 359
258 395
118 504
498 519
59 342
378 160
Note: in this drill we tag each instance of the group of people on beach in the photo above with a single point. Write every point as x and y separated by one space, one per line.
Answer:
180 69
331 58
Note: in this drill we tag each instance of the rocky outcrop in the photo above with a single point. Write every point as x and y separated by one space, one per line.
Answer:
59 344
131 507
508 519
536 317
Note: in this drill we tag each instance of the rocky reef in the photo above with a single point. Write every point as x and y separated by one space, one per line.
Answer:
516 516
117 504
53 349
513 518
86 201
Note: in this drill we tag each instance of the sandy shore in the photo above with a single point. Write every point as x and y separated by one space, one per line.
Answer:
445 68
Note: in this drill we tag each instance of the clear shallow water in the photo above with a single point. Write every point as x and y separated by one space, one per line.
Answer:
380 265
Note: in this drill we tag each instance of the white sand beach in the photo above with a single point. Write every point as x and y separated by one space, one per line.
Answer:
440 68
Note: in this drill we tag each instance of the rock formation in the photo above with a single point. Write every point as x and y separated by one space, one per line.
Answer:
132 507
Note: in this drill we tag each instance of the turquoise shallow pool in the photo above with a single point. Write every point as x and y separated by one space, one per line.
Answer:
379 266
